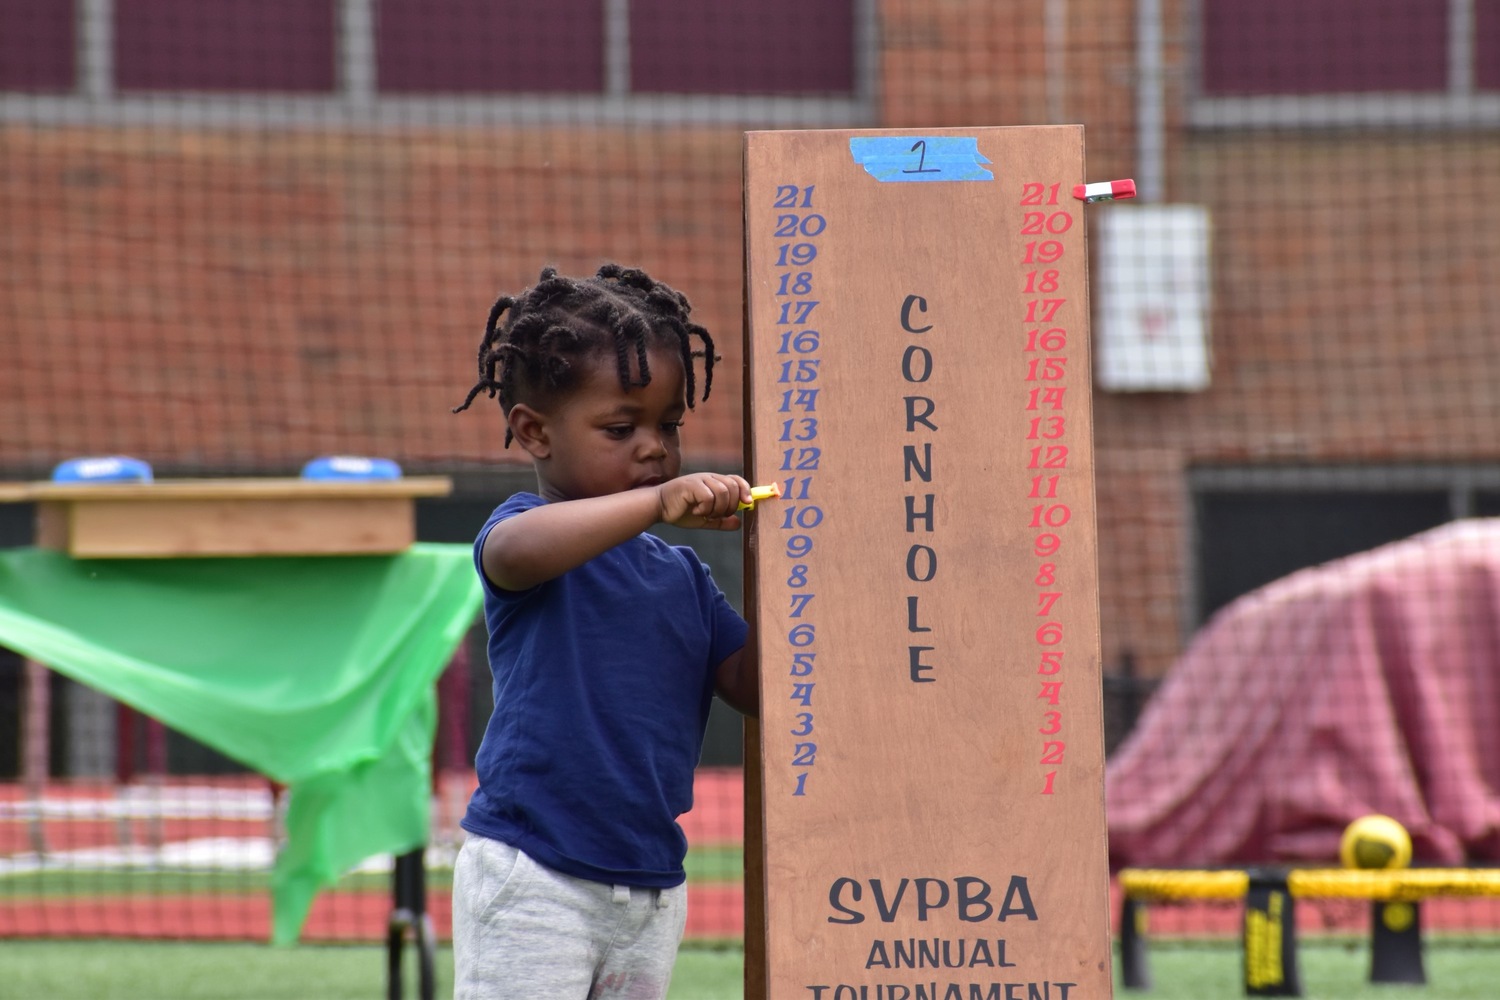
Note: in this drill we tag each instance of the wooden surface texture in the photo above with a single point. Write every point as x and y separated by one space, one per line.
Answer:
925 595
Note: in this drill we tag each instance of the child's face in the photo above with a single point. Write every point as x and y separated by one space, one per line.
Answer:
602 439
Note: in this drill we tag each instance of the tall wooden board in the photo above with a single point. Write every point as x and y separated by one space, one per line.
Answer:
925 595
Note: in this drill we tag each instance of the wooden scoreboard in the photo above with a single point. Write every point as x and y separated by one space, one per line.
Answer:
927 819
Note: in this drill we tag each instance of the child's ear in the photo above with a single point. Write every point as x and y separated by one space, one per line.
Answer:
529 428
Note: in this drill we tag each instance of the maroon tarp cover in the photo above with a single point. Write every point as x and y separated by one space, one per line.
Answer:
1370 684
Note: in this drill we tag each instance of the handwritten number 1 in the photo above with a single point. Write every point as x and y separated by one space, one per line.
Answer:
921 144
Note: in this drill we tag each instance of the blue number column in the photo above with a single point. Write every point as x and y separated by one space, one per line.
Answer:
799 381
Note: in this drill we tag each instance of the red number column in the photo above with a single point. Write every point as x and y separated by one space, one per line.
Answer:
1045 374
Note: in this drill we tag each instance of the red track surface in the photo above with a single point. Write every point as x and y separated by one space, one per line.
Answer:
715 910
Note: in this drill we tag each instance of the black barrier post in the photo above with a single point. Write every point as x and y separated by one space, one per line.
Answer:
409 888
1396 943
1135 967
1270 937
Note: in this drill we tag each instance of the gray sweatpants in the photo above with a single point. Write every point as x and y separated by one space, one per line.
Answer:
524 931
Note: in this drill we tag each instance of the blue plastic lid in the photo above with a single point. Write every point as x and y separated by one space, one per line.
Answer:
351 467
102 469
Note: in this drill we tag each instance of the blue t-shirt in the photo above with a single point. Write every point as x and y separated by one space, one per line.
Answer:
603 679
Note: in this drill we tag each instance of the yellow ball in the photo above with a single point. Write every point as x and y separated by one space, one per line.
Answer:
1375 842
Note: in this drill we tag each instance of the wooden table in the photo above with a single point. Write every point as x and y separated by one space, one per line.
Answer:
196 518
174 518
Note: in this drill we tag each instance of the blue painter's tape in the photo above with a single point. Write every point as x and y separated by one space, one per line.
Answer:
351 467
920 158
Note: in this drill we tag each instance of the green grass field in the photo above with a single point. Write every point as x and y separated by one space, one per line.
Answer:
121 970
1329 971
130 970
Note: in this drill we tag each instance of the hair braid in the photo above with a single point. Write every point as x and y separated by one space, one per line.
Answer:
553 326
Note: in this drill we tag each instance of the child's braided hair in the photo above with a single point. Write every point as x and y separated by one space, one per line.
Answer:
554 327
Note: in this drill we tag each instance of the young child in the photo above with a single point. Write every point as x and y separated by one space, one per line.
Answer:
606 645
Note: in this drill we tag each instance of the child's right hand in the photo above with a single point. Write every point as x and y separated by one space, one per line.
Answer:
703 500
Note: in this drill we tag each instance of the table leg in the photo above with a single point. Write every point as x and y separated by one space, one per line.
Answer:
409 888
36 754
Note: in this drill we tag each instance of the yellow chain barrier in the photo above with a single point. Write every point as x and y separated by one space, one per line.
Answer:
1405 884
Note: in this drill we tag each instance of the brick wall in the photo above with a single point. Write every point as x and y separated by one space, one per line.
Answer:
250 299
245 299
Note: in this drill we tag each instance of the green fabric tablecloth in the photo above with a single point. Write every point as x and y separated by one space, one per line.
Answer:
316 671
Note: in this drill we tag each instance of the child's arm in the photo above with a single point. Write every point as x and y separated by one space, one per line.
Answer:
737 681
545 542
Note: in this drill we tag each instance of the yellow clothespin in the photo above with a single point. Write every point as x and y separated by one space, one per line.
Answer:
772 492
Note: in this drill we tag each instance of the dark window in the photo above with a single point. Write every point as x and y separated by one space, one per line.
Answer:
1327 46
225 45
1249 538
456 47
480 46
12 695
768 47
1487 44
17 528
36 46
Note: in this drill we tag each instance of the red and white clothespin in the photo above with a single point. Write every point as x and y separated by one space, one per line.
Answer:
1105 191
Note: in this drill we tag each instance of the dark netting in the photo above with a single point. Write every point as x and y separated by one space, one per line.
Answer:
241 234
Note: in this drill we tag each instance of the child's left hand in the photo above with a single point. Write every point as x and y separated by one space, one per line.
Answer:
703 500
